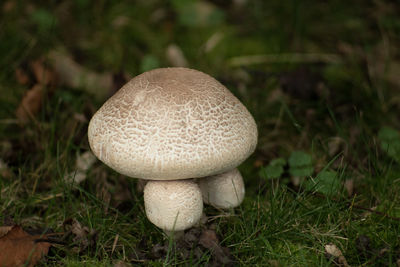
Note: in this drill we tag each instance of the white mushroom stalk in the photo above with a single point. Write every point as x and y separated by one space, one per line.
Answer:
225 190
169 125
173 205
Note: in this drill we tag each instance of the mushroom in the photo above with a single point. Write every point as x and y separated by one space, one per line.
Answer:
225 190
171 125
173 205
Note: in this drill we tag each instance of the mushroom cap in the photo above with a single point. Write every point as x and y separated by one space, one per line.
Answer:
173 205
225 190
172 123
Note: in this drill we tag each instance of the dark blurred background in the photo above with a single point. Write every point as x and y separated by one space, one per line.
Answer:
290 62
321 78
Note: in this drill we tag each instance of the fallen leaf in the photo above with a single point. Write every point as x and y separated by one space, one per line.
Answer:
30 104
74 75
83 236
21 76
332 252
8 6
18 248
4 230
209 240
42 74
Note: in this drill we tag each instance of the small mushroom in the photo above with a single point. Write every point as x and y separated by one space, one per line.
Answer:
173 205
225 190
172 124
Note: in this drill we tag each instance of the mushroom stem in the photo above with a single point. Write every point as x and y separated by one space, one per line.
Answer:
173 205
225 190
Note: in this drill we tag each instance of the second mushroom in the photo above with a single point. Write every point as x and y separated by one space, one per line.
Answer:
183 132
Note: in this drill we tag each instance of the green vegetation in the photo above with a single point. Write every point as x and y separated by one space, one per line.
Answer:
321 79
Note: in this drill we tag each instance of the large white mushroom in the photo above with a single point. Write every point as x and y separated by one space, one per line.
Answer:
174 124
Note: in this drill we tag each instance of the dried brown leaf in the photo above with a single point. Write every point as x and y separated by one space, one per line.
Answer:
333 252
209 240
83 236
8 6
30 104
43 74
79 231
21 76
4 230
18 248
74 75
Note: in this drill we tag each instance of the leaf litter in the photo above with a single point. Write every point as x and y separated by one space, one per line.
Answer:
18 248
83 238
76 76
332 252
195 243
32 100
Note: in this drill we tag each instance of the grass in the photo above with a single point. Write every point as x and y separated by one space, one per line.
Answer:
318 77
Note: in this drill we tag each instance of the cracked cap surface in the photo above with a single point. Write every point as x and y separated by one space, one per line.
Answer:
172 123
